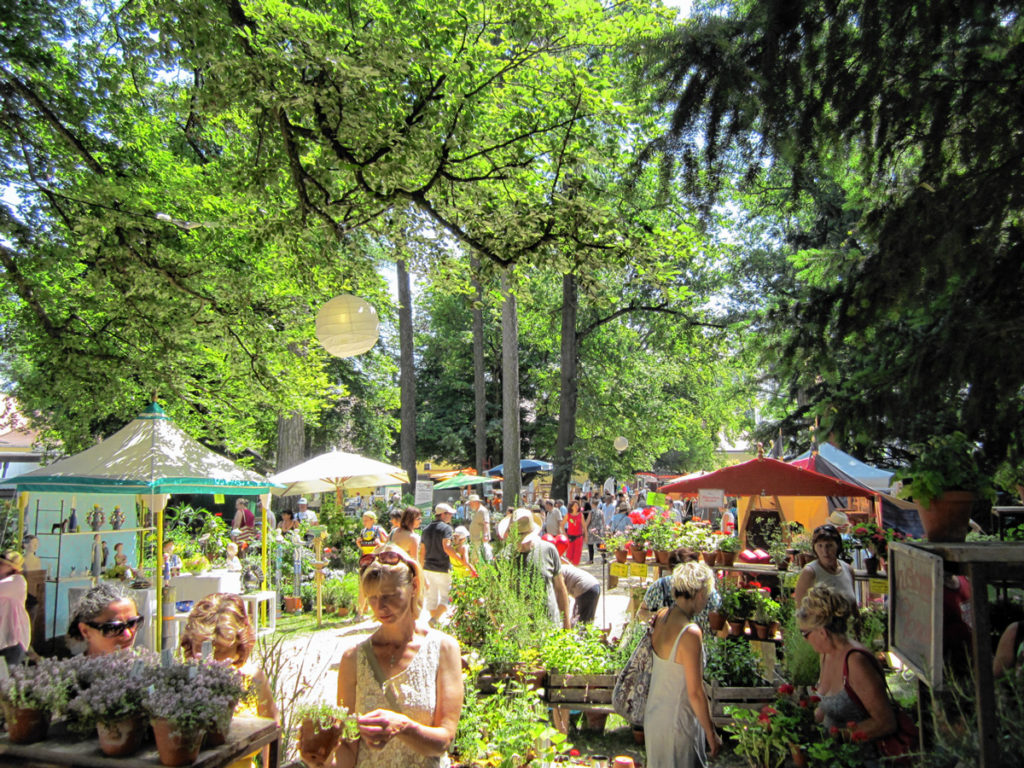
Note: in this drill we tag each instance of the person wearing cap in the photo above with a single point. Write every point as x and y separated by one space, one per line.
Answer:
436 556
543 557
15 625
304 514
827 568
479 524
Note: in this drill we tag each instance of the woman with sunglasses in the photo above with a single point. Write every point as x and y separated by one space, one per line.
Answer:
106 618
405 680
851 684
827 569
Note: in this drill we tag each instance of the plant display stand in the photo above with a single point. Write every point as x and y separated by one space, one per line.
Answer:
748 698
580 690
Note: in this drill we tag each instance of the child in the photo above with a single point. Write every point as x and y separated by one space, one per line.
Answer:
172 563
221 618
372 535
460 543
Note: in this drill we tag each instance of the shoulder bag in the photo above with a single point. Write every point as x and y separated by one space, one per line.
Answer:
629 697
896 748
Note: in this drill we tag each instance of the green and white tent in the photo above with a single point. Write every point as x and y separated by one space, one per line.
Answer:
150 455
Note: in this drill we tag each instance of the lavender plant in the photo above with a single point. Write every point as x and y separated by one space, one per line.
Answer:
47 685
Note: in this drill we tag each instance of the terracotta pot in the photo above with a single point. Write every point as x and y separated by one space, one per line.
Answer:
947 517
26 725
639 555
736 627
727 558
638 735
319 742
595 721
293 605
716 621
799 755
803 558
621 555
217 734
662 556
344 610
710 558
760 630
176 747
121 738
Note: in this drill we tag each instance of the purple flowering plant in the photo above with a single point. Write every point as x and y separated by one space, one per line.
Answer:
109 687
194 695
46 685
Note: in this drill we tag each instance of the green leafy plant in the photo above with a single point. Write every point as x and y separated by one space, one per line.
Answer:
728 544
800 661
732 662
580 651
615 541
759 737
944 463
324 716
765 609
196 564
662 532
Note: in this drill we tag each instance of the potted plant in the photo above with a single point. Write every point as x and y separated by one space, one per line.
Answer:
765 611
196 564
732 608
945 480
227 683
728 546
616 543
640 536
31 696
348 593
323 726
182 703
108 698
661 536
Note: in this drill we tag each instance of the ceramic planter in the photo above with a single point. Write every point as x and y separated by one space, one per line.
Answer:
26 725
947 518
121 738
176 747
293 604
621 555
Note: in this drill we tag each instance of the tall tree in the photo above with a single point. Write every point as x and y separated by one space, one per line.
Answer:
902 324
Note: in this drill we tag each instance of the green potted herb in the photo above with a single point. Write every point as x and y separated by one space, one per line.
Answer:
728 546
323 726
946 479
732 663
616 543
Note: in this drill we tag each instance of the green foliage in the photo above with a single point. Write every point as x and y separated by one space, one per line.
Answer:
944 463
323 716
731 662
801 661
758 737
580 651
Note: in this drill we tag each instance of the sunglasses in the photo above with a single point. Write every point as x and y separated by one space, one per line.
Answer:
827 528
388 557
115 628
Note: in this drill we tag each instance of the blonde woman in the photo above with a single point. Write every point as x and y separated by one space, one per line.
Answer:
851 686
677 719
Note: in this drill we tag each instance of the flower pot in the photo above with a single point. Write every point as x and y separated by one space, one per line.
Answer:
736 627
293 605
638 734
803 558
621 555
760 630
871 565
639 555
947 517
26 725
319 742
799 755
710 558
595 721
662 556
176 747
344 610
727 558
217 733
716 621
121 738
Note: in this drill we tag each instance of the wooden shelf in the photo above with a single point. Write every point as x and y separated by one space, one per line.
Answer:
101 530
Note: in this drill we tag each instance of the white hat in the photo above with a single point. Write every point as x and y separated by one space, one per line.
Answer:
525 521
462 532
473 497
443 509
838 518
302 500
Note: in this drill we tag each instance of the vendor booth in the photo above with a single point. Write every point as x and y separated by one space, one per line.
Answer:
147 460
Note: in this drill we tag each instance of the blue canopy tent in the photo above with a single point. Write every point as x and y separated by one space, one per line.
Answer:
853 468
528 468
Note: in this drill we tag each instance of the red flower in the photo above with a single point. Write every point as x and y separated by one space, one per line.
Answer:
815 699
785 689
769 710
834 730
802 703
851 724
860 530
574 753
764 719
754 585
858 736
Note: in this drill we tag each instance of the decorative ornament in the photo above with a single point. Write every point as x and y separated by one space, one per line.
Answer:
347 325
621 444
96 518
116 518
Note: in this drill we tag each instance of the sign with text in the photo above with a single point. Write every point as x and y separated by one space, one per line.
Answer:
424 492
710 498
915 610
619 570
656 499
638 569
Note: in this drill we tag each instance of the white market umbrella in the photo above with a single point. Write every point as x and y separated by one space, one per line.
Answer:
336 471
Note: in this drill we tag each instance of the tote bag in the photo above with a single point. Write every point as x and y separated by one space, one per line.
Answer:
629 697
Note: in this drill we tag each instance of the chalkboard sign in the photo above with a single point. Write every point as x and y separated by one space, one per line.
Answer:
915 610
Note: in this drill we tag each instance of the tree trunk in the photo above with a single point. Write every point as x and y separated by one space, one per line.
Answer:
479 384
406 378
510 449
568 392
291 447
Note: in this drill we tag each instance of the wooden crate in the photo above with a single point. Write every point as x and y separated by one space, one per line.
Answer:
580 689
532 678
747 698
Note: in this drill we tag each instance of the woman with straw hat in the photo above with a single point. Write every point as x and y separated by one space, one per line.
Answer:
15 625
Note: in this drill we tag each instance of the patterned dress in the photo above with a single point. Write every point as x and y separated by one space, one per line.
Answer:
414 690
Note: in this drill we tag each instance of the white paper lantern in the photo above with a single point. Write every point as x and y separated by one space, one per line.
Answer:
621 444
346 326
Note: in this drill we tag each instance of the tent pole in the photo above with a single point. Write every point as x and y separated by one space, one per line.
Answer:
264 553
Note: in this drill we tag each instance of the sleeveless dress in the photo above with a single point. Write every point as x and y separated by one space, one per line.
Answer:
574 530
672 734
841 582
414 689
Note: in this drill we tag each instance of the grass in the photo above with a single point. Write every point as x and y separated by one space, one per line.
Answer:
298 624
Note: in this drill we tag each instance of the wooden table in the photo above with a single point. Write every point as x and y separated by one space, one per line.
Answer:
64 750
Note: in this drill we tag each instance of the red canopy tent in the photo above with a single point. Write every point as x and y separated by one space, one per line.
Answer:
766 477
772 488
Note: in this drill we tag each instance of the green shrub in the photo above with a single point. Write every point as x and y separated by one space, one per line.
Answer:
800 660
732 662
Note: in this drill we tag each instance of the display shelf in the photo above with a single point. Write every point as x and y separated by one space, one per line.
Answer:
93 533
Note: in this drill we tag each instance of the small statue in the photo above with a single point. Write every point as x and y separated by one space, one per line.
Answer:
97 556
30 546
172 563
96 518
61 527
233 563
117 518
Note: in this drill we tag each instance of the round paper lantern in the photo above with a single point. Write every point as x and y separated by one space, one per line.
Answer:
346 326
621 444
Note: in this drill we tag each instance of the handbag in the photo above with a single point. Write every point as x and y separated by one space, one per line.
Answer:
629 696
899 745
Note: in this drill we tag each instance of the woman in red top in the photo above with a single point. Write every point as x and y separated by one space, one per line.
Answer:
576 530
